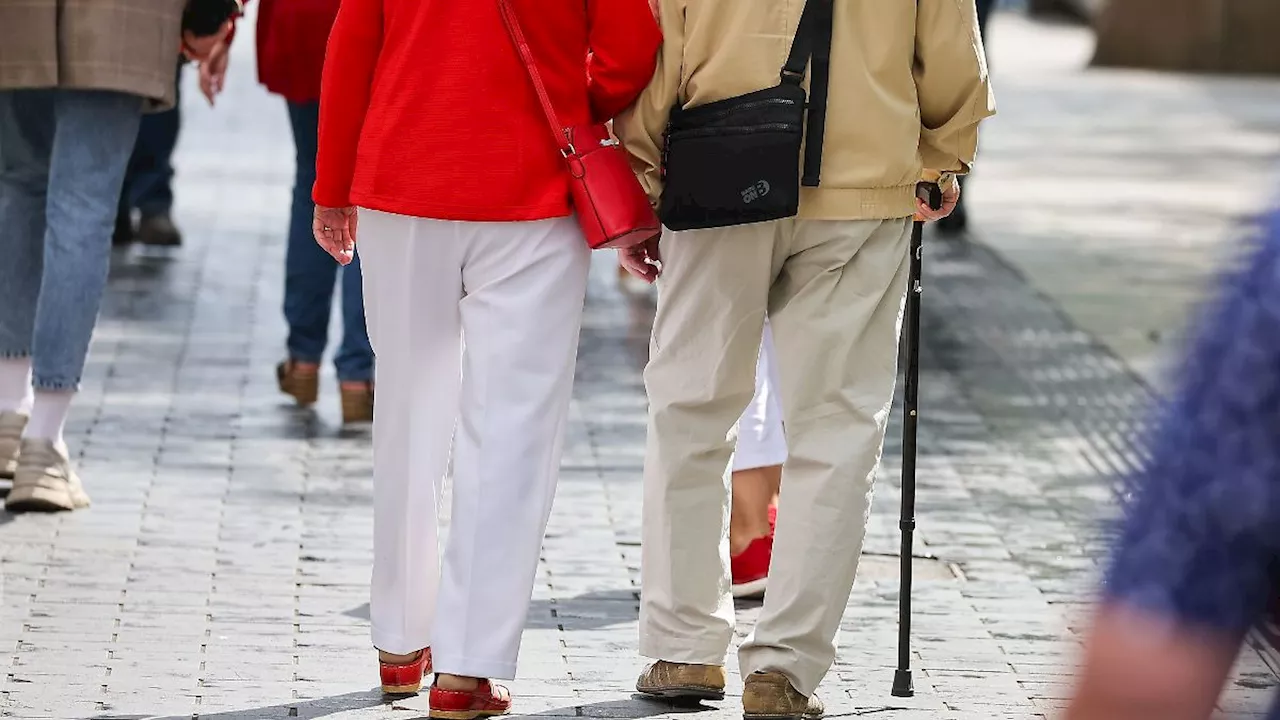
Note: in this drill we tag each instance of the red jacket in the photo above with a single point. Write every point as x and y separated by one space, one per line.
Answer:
291 40
427 110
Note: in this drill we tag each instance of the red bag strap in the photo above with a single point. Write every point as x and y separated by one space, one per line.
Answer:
526 54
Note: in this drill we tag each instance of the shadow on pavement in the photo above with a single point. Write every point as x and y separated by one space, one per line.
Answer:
638 706
317 708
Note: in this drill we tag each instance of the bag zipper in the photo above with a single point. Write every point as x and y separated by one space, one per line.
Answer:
737 108
733 130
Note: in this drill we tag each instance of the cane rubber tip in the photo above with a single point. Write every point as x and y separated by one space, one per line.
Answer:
902 685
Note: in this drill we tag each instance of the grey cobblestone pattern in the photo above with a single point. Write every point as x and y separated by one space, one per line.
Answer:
223 570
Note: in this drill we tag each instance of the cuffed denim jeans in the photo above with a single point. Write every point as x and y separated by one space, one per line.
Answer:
311 274
62 161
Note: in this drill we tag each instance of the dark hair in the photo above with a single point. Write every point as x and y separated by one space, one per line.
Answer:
204 17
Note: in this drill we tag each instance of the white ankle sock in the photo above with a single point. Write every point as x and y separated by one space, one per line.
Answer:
49 415
15 385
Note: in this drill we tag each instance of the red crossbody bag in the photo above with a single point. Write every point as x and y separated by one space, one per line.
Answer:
611 207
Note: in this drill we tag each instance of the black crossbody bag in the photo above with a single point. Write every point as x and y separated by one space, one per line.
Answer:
737 161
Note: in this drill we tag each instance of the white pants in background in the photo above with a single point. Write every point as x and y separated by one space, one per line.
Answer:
761 441
515 292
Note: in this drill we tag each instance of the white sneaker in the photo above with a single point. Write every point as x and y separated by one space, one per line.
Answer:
11 426
45 481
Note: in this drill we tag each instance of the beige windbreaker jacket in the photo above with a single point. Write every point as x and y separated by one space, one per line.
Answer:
909 87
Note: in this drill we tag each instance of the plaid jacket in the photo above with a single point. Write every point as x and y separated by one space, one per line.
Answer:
123 45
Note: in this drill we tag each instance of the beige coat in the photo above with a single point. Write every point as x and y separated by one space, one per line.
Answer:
124 45
908 88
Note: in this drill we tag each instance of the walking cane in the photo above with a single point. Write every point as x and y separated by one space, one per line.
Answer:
902 685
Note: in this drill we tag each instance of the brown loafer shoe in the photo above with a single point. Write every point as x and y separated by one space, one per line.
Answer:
357 402
770 696
682 681
301 382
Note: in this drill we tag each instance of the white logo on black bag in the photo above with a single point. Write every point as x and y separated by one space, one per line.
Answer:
755 192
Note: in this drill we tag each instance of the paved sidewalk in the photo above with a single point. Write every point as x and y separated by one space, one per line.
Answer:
1120 193
223 570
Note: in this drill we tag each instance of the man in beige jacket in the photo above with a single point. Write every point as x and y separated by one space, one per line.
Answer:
908 89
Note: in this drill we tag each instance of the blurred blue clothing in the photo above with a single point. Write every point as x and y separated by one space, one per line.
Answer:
1201 534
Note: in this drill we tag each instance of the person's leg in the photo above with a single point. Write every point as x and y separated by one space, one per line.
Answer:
984 13
413 271
310 273
524 286
712 298
92 139
835 311
26 144
149 183
759 455
354 359
757 475
90 151
958 220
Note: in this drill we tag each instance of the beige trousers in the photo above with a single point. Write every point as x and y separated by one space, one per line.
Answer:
834 292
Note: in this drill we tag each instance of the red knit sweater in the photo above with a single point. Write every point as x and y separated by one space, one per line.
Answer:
426 109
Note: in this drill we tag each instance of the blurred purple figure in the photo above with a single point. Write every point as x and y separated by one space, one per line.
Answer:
1193 570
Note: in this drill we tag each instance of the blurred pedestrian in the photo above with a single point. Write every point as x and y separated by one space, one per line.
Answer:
291 39
832 282
148 180
757 476
1195 564
75 79
432 137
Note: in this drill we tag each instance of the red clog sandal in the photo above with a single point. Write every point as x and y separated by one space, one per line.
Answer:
405 678
487 700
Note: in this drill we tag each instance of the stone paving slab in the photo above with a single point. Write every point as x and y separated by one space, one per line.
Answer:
223 570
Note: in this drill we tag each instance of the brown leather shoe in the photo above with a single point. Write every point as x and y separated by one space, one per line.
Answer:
357 402
770 696
159 231
682 681
300 381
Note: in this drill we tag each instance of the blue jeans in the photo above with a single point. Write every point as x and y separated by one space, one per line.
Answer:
62 162
310 273
148 183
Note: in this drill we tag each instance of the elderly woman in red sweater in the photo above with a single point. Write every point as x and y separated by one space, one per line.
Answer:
432 137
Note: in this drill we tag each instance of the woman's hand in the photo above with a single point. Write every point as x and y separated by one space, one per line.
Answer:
213 71
643 260
335 231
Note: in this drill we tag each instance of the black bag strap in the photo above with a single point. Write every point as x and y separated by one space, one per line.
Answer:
813 42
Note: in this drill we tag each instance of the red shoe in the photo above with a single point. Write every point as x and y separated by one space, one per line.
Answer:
486 700
750 568
405 678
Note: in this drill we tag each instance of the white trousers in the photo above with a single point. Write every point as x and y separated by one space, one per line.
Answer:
761 440
514 292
